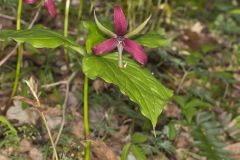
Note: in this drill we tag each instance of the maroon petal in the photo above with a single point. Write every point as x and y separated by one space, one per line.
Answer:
105 46
49 4
30 1
120 23
135 50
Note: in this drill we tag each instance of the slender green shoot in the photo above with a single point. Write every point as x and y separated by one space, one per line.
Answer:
19 51
86 122
80 8
66 25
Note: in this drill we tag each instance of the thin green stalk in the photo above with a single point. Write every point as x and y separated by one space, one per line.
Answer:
66 20
85 116
19 12
19 51
87 151
85 101
66 17
80 9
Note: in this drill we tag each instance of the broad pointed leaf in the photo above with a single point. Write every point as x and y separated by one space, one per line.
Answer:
138 152
153 40
138 29
102 28
125 151
134 81
40 37
94 36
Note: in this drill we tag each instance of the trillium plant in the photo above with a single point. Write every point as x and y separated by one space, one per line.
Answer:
131 78
120 39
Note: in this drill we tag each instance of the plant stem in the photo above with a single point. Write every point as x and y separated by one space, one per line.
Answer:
85 115
66 17
19 12
85 101
120 49
20 48
87 151
80 8
66 20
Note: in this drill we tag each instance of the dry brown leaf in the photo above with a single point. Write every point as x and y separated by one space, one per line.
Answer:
78 129
53 111
235 149
160 156
25 146
99 85
53 122
35 154
16 113
2 157
75 113
102 152
196 40
77 84
7 151
122 132
53 116
183 140
26 100
120 138
197 27
172 110
5 23
72 100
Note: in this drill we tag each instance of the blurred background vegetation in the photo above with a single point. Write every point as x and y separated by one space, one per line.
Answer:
199 60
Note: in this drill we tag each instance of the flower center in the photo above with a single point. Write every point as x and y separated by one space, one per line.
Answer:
120 39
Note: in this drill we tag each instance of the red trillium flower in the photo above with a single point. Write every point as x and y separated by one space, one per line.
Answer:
120 39
48 4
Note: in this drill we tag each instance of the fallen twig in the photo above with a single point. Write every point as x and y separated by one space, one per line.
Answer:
65 106
11 18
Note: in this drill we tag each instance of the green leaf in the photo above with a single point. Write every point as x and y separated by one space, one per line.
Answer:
4 121
189 110
138 152
238 121
180 100
194 58
189 113
133 80
197 103
139 138
102 28
40 37
171 131
94 35
153 40
125 151
10 138
235 11
138 29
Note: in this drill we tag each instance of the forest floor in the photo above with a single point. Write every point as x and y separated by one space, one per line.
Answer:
201 66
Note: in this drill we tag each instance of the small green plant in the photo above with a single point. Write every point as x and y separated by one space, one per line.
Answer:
9 132
207 137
